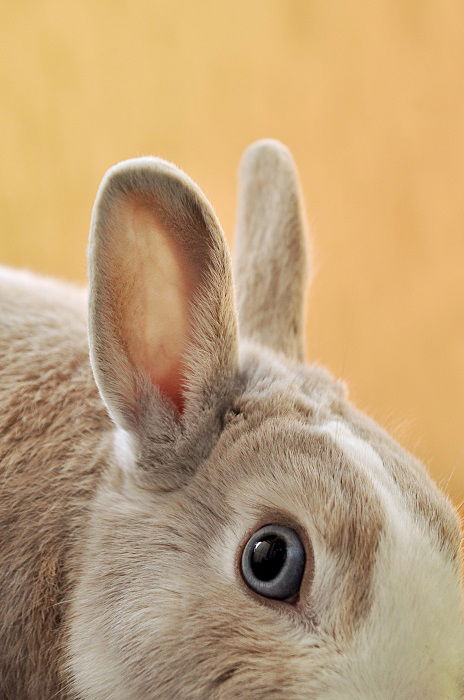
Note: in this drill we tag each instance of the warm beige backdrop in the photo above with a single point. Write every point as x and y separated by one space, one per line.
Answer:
370 98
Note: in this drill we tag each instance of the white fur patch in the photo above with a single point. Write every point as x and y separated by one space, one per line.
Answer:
123 449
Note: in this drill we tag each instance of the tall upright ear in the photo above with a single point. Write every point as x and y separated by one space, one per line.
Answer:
162 323
270 250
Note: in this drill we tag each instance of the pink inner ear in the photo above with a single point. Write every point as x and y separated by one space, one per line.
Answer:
154 286
170 386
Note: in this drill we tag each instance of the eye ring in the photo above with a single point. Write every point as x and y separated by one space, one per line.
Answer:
273 562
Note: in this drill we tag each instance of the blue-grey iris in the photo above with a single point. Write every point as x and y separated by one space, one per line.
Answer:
273 562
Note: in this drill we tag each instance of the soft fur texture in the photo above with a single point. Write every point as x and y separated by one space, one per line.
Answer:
121 537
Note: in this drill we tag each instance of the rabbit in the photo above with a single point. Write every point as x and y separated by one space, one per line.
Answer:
196 512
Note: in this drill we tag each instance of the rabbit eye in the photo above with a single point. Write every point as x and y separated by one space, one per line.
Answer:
273 562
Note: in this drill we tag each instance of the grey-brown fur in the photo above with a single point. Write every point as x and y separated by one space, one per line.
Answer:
120 540
52 450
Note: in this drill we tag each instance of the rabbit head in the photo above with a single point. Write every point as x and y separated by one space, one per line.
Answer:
254 536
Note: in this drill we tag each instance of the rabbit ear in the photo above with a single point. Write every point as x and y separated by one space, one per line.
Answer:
270 250
161 319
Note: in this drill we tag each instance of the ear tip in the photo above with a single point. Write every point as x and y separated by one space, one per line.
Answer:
267 153
130 171
268 144
160 185
148 176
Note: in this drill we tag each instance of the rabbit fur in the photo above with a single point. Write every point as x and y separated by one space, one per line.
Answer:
130 484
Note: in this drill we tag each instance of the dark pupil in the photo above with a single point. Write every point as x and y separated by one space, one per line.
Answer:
268 558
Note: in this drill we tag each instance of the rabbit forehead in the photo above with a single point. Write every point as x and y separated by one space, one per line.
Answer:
409 482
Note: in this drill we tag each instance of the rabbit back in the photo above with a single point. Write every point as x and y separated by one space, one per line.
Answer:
51 422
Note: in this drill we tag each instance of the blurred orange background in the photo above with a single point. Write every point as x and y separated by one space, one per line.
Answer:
368 96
